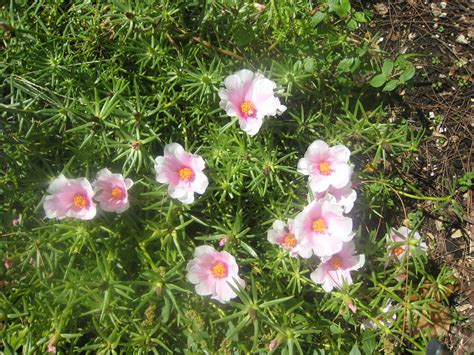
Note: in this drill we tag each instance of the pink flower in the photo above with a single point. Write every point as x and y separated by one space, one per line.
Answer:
352 307
335 270
213 272
326 166
17 220
69 198
9 262
403 238
52 343
322 229
222 242
51 348
274 343
283 235
111 191
345 196
182 171
249 97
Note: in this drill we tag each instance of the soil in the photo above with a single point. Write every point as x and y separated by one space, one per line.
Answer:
440 101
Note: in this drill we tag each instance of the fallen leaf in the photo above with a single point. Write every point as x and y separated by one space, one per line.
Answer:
462 39
457 234
381 9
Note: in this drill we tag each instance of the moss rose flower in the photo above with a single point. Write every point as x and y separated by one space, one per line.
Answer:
335 270
249 97
111 191
182 171
213 272
69 198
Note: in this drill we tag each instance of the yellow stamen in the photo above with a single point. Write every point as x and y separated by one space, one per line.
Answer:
319 226
186 174
398 251
248 108
117 193
336 262
324 168
289 240
219 270
79 201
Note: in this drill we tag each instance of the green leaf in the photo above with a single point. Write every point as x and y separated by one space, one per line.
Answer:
355 350
359 17
244 34
343 9
369 343
387 68
378 80
335 329
239 326
352 24
274 302
318 18
356 65
391 85
309 64
332 4
165 310
8 348
249 250
408 73
345 65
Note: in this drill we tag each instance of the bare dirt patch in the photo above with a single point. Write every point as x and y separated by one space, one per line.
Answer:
439 101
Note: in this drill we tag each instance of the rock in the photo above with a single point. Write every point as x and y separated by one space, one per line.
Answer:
435 10
381 9
470 32
463 308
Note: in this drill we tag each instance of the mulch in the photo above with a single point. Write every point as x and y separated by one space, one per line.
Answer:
440 101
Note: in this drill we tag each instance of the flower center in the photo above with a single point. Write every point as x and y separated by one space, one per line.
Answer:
248 108
398 250
186 174
324 168
117 193
336 262
289 241
319 226
219 270
79 201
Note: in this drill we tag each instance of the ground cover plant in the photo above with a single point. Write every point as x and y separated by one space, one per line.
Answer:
211 177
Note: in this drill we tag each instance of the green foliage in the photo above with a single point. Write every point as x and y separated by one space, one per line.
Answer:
90 84
400 68
466 181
